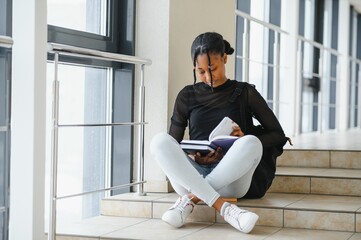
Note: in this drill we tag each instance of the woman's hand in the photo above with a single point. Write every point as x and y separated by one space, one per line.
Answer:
237 131
210 158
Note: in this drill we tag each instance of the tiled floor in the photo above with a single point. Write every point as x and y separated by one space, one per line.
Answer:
346 140
141 228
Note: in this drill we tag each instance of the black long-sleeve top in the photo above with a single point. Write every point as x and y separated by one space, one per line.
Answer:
200 108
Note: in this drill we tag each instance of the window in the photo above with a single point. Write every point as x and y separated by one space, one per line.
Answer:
5 91
92 91
255 46
90 15
355 69
318 30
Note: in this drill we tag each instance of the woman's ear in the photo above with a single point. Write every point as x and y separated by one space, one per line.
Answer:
225 58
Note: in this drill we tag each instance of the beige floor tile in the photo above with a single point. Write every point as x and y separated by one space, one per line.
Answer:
356 236
155 229
97 226
62 237
358 222
345 159
302 234
160 208
319 220
136 197
126 208
340 173
268 216
226 231
285 184
341 140
348 187
274 200
324 202
292 171
203 213
300 158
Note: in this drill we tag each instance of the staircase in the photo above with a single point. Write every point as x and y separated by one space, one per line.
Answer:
315 195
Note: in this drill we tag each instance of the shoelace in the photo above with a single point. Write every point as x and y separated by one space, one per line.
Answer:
182 204
234 213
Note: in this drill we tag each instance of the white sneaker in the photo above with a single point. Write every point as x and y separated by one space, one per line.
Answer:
178 213
240 219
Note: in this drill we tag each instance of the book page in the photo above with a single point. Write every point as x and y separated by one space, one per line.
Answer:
225 127
195 142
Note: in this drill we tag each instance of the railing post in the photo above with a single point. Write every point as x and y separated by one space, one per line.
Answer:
54 153
359 96
297 95
245 60
276 73
140 139
320 95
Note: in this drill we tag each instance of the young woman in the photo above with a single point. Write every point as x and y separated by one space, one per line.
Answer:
247 168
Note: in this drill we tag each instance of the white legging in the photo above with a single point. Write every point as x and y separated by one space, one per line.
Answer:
230 178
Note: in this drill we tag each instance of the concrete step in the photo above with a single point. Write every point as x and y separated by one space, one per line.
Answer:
320 159
283 210
332 181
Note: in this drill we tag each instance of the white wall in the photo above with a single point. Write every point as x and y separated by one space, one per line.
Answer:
27 175
189 18
165 31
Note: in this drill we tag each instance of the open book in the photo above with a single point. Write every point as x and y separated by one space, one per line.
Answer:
219 137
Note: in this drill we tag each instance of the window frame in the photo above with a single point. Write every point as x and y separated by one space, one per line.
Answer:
120 39
6 30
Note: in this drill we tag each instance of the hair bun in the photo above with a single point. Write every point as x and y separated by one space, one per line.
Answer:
227 48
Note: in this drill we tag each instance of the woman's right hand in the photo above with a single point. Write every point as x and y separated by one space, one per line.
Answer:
237 131
210 158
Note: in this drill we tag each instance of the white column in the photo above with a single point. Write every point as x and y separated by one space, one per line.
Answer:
288 87
152 41
28 120
343 48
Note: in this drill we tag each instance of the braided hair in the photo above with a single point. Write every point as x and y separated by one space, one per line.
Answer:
209 43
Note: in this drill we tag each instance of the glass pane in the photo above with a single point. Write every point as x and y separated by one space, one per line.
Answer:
82 151
332 117
82 15
2 225
3 86
3 165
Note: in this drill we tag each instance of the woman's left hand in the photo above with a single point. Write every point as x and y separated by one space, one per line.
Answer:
210 158
237 131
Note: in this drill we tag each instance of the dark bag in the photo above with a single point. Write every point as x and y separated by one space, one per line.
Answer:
266 169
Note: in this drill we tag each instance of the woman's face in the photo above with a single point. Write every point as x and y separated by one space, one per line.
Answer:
217 69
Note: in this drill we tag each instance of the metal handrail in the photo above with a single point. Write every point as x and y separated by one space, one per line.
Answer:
319 45
320 74
100 190
95 54
6 42
103 124
353 59
60 49
4 128
263 23
276 49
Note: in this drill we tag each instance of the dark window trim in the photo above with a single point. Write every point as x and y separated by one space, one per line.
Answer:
116 40
120 39
89 40
6 10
